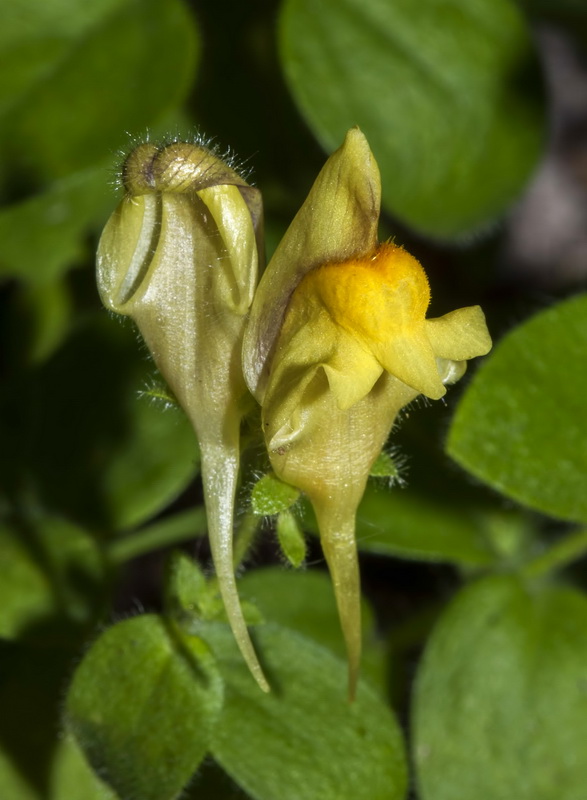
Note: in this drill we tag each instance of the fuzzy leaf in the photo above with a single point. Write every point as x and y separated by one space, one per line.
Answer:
304 602
142 706
304 739
385 467
521 426
500 703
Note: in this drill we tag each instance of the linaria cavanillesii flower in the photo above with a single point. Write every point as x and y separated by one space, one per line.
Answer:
336 344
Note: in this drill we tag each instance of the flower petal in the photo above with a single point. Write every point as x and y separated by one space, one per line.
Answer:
460 335
239 263
337 221
410 358
352 371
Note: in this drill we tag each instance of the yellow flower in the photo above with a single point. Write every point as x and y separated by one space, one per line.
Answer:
180 256
336 344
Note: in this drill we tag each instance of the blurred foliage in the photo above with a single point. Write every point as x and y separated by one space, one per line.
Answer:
501 692
511 434
462 110
466 555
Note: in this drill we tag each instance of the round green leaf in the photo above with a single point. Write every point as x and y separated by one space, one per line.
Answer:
304 602
75 79
77 76
72 778
142 706
403 523
303 739
446 97
522 424
500 702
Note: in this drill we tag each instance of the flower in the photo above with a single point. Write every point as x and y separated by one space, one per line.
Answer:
180 255
336 344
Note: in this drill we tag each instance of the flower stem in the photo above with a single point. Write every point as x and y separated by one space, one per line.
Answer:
569 549
179 528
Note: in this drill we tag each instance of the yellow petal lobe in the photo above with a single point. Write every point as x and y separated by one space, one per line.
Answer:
376 297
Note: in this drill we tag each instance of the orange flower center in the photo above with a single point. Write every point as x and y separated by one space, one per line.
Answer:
374 297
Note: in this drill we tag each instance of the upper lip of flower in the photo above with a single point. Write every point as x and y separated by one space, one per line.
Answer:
376 295
338 220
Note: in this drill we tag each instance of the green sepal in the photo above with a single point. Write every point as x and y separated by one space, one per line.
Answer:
291 539
191 598
272 496
385 466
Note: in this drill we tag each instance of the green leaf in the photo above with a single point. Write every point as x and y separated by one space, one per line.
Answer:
191 598
446 97
142 706
409 524
25 590
270 495
40 320
43 235
500 702
13 784
304 602
93 449
522 423
71 776
75 79
186 583
291 539
120 64
49 568
304 739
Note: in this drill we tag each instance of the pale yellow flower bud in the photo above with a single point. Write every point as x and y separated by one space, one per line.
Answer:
180 257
